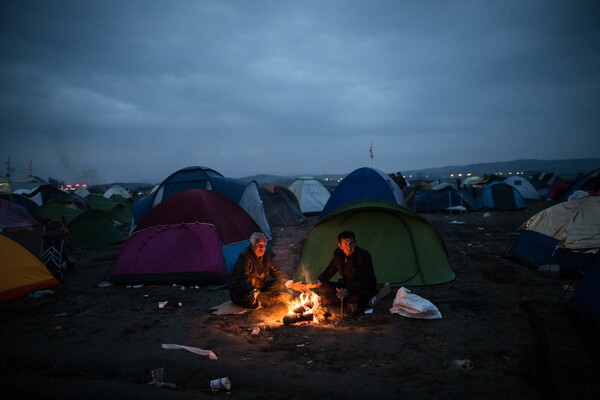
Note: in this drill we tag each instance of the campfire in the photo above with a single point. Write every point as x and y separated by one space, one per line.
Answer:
305 308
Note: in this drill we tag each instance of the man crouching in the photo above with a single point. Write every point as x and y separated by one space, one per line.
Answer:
255 281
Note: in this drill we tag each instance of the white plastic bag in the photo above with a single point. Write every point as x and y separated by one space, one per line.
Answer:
410 305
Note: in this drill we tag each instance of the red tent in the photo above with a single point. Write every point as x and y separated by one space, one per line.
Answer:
233 224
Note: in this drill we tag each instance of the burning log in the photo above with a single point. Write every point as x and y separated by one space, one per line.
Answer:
303 308
295 318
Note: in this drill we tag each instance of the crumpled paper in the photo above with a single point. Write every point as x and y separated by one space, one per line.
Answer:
196 350
411 305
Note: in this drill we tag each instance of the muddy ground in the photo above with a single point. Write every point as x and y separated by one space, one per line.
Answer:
506 333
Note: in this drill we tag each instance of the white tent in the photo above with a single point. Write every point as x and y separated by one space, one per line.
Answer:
524 187
83 192
116 190
311 194
253 205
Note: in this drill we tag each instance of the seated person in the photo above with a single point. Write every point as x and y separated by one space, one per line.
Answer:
357 283
255 281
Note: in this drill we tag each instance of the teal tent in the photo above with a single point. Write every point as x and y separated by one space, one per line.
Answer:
406 249
500 196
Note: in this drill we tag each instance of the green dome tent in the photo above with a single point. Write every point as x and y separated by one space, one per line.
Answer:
119 211
405 248
88 229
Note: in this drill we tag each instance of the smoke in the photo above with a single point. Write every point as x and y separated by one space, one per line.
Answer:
69 154
89 176
64 150
304 274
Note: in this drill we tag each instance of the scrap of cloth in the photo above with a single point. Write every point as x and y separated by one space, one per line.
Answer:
196 350
411 305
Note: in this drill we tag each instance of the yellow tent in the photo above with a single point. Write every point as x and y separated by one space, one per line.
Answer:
21 272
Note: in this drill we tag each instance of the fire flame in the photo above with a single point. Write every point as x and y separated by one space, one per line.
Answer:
307 303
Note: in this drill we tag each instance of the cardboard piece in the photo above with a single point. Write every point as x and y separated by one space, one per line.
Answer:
228 308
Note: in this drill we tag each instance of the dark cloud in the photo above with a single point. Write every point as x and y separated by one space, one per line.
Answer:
135 90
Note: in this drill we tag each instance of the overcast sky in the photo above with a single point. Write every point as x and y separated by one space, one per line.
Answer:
109 91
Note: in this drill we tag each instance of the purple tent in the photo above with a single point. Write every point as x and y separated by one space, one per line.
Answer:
184 253
13 215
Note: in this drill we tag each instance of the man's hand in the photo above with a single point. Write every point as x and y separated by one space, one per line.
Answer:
313 285
298 287
341 293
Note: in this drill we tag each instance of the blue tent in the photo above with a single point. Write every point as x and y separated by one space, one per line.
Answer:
500 196
195 177
534 249
186 178
566 234
364 184
446 198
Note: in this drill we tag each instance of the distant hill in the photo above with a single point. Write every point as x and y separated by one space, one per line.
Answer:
566 169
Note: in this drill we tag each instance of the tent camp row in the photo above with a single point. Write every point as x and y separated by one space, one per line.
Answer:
552 186
543 185
91 221
196 234
445 197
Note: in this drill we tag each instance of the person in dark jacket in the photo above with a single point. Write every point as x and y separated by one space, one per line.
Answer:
357 283
255 281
